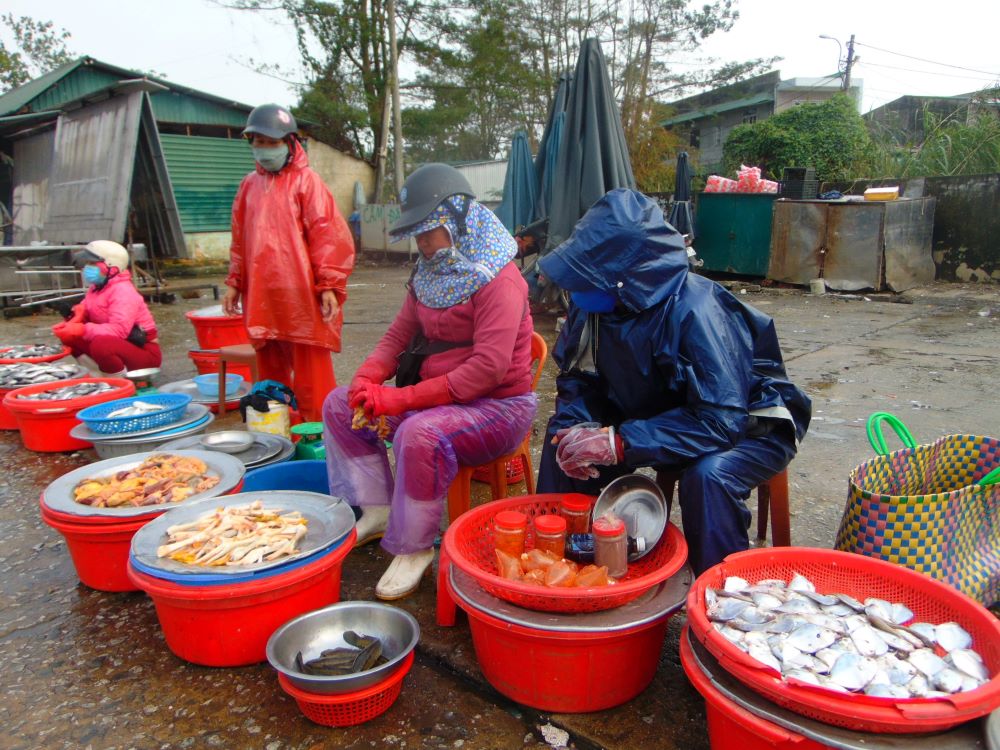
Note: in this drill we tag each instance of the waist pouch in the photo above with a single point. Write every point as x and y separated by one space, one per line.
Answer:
137 336
409 361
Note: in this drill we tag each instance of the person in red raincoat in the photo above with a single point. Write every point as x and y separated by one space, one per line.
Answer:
289 260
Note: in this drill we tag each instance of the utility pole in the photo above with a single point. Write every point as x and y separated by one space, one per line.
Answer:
851 59
397 115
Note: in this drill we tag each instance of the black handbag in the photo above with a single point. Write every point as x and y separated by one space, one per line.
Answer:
137 336
409 361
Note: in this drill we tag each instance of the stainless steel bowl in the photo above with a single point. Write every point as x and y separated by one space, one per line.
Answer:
313 632
639 502
227 441
116 448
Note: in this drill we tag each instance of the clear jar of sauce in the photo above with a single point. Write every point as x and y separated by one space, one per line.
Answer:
509 530
550 534
611 545
576 510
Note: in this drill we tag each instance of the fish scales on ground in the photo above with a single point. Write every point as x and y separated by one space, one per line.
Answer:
25 373
333 662
834 641
68 392
27 351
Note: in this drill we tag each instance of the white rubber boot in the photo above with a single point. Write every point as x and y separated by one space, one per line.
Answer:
404 574
371 525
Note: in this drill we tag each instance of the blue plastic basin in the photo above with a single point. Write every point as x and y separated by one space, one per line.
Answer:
308 476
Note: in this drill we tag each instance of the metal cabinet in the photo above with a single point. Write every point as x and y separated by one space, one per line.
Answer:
853 244
733 232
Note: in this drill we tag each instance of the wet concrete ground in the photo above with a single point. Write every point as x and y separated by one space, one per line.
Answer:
86 669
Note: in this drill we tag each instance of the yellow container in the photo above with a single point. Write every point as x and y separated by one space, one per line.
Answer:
277 421
882 194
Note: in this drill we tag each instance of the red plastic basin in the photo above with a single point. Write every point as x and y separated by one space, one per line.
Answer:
228 626
45 425
565 671
99 551
213 331
66 351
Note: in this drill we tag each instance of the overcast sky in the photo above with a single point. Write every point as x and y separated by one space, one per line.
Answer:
913 47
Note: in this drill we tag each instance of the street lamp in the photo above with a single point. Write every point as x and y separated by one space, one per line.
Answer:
840 47
848 61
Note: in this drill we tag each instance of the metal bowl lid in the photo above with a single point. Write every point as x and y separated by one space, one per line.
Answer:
639 502
661 600
59 494
329 519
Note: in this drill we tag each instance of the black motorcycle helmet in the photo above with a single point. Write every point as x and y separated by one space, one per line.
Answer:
425 190
270 120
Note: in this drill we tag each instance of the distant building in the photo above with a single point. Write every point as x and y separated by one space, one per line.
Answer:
904 119
486 178
707 118
98 151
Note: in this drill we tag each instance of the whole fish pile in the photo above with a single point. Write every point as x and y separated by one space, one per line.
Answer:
20 375
70 391
839 643
136 409
239 535
162 478
25 351
340 661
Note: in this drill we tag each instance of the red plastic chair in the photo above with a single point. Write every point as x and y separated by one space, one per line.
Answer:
772 499
459 493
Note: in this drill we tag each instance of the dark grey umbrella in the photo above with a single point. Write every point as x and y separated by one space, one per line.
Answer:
592 158
680 209
548 148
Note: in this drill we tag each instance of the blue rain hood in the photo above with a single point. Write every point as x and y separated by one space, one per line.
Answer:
621 245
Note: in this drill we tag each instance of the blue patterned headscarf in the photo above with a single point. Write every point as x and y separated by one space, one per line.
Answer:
454 274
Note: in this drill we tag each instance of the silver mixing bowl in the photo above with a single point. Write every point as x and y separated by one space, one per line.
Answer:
321 629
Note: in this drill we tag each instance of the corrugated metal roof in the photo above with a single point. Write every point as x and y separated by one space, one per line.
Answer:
16 98
718 109
173 106
205 174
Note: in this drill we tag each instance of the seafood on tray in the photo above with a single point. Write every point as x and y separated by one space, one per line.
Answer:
27 351
67 392
161 478
360 421
26 373
136 409
836 642
366 654
238 535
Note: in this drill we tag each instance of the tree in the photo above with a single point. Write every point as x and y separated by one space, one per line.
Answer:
36 48
829 136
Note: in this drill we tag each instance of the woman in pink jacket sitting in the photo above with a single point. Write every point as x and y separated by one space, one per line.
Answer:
112 330
468 402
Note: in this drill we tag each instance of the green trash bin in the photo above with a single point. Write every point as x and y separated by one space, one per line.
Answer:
733 232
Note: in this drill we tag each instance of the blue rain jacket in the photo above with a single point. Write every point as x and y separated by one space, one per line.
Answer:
681 368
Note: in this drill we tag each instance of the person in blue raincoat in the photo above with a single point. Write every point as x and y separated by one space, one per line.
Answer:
665 369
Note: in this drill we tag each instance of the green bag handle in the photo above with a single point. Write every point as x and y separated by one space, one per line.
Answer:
992 478
874 429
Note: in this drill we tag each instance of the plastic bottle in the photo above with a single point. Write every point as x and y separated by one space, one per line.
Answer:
509 529
580 547
610 545
576 511
550 534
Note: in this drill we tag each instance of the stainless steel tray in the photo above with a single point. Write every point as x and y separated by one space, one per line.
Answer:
59 494
663 599
191 414
639 502
330 519
115 448
286 452
189 388
265 447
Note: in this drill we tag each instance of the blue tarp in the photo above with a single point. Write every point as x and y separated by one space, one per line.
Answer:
519 188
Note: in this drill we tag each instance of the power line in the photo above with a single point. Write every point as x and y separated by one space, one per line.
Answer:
932 62
926 72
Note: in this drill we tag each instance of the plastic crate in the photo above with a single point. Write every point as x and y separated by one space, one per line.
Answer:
96 417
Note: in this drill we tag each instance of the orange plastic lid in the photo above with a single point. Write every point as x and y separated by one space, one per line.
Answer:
608 526
550 524
576 503
511 519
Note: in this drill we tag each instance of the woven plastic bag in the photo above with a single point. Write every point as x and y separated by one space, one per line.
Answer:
922 507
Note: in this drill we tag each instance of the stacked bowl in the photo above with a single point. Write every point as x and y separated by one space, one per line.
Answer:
99 537
221 612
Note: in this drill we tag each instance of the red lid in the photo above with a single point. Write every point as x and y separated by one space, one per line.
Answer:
605 526
576 503
550 524
511 519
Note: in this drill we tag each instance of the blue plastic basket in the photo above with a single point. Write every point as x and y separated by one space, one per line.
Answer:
96 419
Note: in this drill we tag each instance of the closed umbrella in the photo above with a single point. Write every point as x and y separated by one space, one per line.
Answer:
592 157
519 188
680 211
548 147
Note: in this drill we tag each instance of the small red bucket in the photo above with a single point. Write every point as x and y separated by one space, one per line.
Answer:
348 709
228 626
99 551
213 331
207 363
45 425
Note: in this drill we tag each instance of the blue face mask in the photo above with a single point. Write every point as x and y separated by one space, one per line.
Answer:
272 158
596 301
92 275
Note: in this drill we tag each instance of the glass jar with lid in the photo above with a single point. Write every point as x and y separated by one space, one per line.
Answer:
509 530
576 510
611 545
550 534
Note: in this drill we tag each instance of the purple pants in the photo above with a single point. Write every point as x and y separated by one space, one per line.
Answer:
429 445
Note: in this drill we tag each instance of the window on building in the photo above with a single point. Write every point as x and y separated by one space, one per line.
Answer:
749 116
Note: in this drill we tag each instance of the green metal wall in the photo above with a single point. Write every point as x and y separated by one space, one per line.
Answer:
80 82
205 174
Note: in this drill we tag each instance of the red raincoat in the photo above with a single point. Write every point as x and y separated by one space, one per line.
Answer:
289 244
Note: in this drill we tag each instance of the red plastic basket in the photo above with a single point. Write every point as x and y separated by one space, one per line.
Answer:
468 543
45 425
213 331
861 577
514 469
348 709
66 351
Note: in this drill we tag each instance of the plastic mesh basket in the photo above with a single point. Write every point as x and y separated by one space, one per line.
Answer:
96 417
861 577
348 709
514 470
468 543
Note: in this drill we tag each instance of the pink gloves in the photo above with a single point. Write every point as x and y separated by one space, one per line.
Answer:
378 400
586 445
